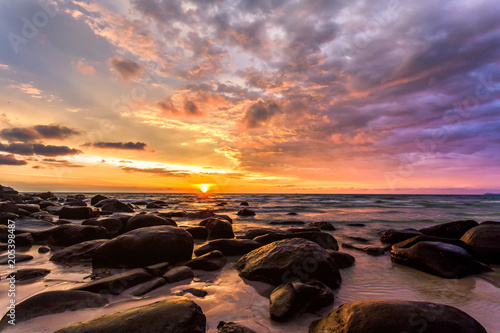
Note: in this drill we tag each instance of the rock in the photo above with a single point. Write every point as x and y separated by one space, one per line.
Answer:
45 195
173 214
24 239
116 284
221 204
193 291
454 229
95 199
229 247
393 236
287 222
8 193
327 241
7 260
356 225
201 214
80 252
178 273
246 212
146 287
252 233
9 207
198 232
441 259
45 216
384 316
158 269
369 249
323 225
244 203
77 213
140 203
208 262
67 235
29 208
144 247
359 239
294 298
177 315
26 274
54 210
44 204
232 327
114 205
289 260
76 203
222 217
5 217
52 302
147 220
343 260
486 240
219 228
113 225
292 214
43 249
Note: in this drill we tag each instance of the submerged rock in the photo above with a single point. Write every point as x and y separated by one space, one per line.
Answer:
454 229
178 273
27 274
52 302
387 316
146 287
289 260
229 247
485 239
6 259
369 249
144 247
116 284
441 259
232 327
177 315
246 212
294 298
323 225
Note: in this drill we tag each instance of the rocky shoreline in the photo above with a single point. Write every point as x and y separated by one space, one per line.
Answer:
137 253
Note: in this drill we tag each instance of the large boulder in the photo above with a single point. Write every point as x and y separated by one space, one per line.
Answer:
441 259
229 247
147 220
145 246
68 234
116 284
114 206
219 228
51 302
486 239
246 212
78 212
95 199
232 327
113 225
289 260
326 241
80 252
32 208
343 260
393 236
176 315
454 229
323 225
294 298
388 316
198 232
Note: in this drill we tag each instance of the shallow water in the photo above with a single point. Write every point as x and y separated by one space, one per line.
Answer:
232 299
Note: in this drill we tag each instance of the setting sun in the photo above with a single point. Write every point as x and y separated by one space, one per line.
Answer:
204 187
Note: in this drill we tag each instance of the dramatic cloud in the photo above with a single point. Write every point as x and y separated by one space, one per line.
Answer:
38 149
20 134
126 68
11 160
54 131
120 145
259 113
158 171
25 134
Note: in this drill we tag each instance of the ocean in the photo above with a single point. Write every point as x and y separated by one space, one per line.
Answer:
354 216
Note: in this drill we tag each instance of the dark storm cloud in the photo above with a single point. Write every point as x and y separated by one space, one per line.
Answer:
191 109
38 149
11 160
119 145
54 131
25 134
127 69
20 134
259 113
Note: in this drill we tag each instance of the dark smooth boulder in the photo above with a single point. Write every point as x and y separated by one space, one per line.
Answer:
208 262
198 232
75 202
369 249
219 228
80 252
244 203
113 225
52 302
152 205
78 213
116 284
388 316
7 260
9 207
193 291
45 195
95 199
343 260
229 247
441 259
287 222
323 225
145 246
32 208
146 287
232 327
178 273
114 206
294 298
175 315
24 239
147 220
393 236
454 229
27 274
252 233
326 241
289 260
45 203
485 239
246 212
69 234
158 269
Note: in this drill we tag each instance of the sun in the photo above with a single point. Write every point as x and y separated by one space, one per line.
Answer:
204 187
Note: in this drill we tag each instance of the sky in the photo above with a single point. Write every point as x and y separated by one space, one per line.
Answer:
318 96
